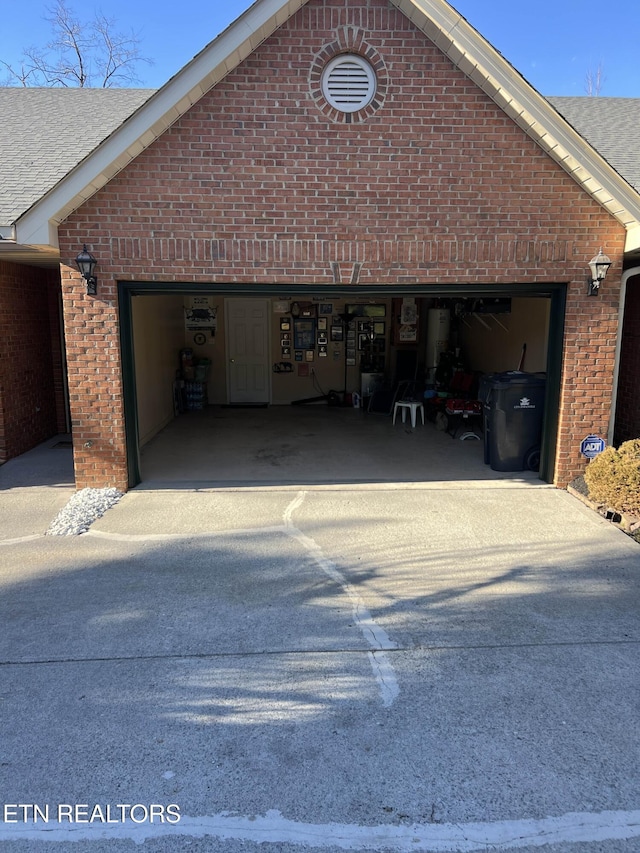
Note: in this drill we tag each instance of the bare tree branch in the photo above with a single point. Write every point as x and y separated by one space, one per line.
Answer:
79 54
594 81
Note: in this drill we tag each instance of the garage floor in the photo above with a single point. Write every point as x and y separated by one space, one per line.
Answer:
310 445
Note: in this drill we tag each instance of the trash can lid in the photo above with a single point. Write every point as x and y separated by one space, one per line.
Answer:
516 377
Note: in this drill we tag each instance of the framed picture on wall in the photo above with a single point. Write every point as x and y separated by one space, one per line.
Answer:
304 334
366 310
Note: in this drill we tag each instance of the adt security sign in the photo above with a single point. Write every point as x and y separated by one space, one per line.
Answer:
592 445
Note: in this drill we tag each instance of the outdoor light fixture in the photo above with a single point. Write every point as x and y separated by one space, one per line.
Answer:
86 264
599 266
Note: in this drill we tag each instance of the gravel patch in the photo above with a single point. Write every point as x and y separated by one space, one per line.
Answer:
85 507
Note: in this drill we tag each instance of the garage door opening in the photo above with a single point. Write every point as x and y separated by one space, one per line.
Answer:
259 387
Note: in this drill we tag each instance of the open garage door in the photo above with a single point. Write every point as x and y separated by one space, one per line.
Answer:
258 386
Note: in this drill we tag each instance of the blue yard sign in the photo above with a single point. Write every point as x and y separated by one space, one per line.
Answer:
592 445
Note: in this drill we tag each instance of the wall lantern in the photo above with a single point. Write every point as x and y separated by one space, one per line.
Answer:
599 266
86 264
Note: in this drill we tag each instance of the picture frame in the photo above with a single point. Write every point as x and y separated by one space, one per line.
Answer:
362 309
337 333
304 334
309 355
325 308
322 324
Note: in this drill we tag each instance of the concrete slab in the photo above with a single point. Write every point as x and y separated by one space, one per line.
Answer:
309 445
356 664
34 487
326 669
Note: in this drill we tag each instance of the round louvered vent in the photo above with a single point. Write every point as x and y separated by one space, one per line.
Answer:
348 83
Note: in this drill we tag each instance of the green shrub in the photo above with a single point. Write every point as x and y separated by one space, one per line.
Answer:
613 477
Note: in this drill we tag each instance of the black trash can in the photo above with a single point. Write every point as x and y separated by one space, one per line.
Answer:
484 390
513 412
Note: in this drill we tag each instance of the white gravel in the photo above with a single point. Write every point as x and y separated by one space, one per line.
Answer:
85 507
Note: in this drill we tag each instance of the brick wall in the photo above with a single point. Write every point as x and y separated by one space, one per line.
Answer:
31 401
261 182
628 403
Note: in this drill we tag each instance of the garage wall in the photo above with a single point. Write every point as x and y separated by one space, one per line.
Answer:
323 373
434 186
627 425
306 378
31 395
213 349
158 334
499 347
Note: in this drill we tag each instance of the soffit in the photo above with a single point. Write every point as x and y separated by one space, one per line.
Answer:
473 55
38 226
449 31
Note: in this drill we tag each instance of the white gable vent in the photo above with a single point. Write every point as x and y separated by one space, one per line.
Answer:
348 83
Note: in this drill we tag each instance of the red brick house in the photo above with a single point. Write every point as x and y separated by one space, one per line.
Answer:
328 153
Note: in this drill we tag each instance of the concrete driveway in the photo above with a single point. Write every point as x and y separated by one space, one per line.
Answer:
365 668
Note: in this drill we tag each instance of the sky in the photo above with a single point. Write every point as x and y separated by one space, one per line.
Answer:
554 44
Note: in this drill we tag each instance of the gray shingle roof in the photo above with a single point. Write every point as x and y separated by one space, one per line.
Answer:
611 126
44 133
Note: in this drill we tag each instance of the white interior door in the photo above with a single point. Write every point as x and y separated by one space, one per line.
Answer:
248 350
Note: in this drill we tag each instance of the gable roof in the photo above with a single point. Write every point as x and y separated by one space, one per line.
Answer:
450 32
45 132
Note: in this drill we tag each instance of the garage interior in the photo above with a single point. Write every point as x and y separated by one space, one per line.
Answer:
300 389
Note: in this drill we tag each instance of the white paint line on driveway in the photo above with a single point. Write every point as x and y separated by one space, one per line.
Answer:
22 539
376 637
175 537
573 828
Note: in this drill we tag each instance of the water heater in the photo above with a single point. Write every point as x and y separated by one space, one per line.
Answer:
438 326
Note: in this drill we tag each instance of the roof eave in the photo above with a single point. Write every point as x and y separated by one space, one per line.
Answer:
38 225
476 58
449 31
